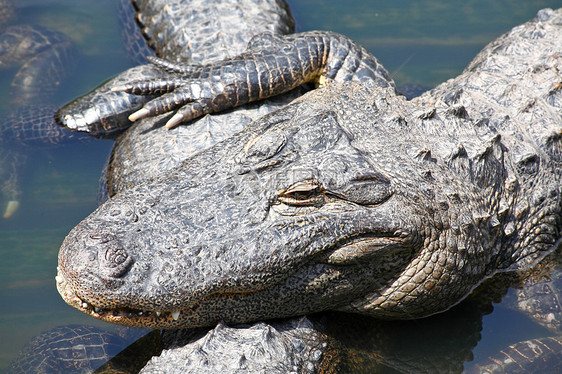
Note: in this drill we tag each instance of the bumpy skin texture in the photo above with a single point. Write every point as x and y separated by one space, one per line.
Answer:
212 31
294 346
206 32
196 32
350 198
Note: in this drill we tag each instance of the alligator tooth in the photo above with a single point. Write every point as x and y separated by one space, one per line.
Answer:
175 315
96 309
84 304
59 279
158 314
140 313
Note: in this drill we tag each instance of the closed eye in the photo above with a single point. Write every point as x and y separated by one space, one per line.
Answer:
304 193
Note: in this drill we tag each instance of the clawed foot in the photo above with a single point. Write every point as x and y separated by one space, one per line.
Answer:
191 90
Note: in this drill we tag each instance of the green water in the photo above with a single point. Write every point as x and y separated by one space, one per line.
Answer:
422 42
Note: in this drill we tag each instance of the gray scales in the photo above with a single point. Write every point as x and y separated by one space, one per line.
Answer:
498 177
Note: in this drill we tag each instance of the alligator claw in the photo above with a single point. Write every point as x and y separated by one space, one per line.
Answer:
141 113
186 98
184 114
193 99
187 113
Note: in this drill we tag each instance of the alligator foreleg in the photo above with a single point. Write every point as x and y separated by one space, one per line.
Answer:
271 66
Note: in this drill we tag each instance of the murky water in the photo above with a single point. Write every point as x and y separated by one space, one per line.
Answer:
424 42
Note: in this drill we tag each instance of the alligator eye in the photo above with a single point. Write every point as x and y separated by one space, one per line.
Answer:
305 193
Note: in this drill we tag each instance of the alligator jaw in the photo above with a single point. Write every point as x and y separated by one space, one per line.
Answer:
357 249
149 319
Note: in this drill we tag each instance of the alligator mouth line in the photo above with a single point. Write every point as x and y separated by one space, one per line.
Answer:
123 316
365 244
130 317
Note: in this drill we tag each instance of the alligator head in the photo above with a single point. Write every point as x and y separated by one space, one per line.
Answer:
342 200
350 198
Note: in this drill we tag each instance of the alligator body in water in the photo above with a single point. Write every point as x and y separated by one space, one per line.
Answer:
350 198
43 59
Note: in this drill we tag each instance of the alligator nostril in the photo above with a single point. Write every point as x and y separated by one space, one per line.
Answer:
114 261
115 256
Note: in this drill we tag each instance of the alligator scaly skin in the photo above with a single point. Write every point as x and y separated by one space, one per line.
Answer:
206 32
198 30
272 66
349 198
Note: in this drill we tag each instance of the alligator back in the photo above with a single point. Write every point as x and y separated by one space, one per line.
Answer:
206 31
509 101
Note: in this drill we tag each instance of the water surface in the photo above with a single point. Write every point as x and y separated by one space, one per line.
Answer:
424 42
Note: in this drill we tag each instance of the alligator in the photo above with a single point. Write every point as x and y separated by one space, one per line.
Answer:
284 333
79 349
350 198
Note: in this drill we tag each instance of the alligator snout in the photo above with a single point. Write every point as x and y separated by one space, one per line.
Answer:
113 260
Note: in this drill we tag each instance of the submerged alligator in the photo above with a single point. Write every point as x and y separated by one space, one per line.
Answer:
43 59
350 198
